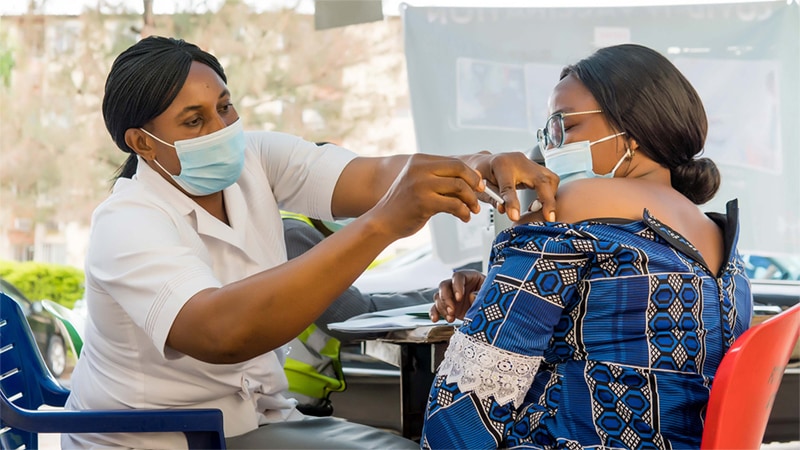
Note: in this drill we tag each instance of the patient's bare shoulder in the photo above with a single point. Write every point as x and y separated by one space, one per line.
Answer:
597 198
618 198
583 199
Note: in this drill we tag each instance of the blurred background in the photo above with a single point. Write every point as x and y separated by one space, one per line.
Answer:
387 77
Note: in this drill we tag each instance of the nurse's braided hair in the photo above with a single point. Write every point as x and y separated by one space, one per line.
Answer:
143 82
643 94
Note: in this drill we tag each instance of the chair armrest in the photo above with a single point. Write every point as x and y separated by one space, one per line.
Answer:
203 427
53 393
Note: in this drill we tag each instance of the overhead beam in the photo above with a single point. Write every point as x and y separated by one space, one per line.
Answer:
339 13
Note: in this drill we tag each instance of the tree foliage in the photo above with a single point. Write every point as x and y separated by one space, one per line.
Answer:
56 158
39 281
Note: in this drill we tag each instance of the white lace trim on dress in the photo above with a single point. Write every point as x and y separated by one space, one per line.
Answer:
488 371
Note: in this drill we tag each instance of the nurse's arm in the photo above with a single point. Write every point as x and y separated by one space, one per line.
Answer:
365 180
257 314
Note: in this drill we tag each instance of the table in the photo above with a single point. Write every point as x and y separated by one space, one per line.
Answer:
417 353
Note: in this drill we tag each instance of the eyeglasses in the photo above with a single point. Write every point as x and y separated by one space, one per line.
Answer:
552 135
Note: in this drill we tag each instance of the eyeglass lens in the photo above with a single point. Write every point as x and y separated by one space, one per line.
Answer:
555 128
552 135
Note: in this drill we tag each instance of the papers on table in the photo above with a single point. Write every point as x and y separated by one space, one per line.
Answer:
407 318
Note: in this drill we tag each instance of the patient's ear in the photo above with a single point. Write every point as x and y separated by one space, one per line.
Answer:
633 145
140 143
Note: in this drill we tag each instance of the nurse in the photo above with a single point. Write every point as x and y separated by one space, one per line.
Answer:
190 295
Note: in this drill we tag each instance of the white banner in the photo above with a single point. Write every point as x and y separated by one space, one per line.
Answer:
480 77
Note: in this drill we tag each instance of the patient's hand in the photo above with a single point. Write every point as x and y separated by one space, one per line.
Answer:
456 295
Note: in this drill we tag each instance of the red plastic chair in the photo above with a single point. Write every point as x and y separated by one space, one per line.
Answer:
746 383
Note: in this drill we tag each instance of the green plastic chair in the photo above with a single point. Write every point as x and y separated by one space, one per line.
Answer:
71 320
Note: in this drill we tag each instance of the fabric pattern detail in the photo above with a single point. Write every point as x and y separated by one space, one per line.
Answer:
673 322
618 329
622 402
487 371
728 313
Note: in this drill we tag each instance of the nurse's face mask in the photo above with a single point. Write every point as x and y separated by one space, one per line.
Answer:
209 163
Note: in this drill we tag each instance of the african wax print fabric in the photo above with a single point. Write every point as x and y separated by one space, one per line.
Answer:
600 334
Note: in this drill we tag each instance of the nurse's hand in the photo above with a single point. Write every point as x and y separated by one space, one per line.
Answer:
427 185
510 171
456 295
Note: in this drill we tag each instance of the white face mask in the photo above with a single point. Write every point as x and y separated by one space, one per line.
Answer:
574 161
209 163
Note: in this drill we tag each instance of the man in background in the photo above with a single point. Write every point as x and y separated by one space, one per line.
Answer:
312 365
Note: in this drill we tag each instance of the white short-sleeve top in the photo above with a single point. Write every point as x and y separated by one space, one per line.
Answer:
151 249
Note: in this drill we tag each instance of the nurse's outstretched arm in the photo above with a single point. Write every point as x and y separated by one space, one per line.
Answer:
366 179
249 317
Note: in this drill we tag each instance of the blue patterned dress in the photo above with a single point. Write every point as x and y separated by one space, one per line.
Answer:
596 334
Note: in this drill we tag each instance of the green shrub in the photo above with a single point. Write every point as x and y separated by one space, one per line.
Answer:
38 281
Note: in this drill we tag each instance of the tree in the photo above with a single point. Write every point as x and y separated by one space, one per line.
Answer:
287 76
56 158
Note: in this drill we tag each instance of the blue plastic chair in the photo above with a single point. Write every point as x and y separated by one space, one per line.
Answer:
26 384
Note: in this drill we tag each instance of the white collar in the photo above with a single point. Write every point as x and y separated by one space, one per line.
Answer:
203 222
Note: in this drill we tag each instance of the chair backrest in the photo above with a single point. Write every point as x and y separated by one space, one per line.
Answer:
26 384
24 378
746 382
71 321
314 371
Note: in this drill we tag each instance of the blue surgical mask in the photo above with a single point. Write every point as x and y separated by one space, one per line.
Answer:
574 161
209 163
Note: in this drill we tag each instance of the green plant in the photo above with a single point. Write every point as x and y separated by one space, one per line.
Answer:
59 283
6 62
